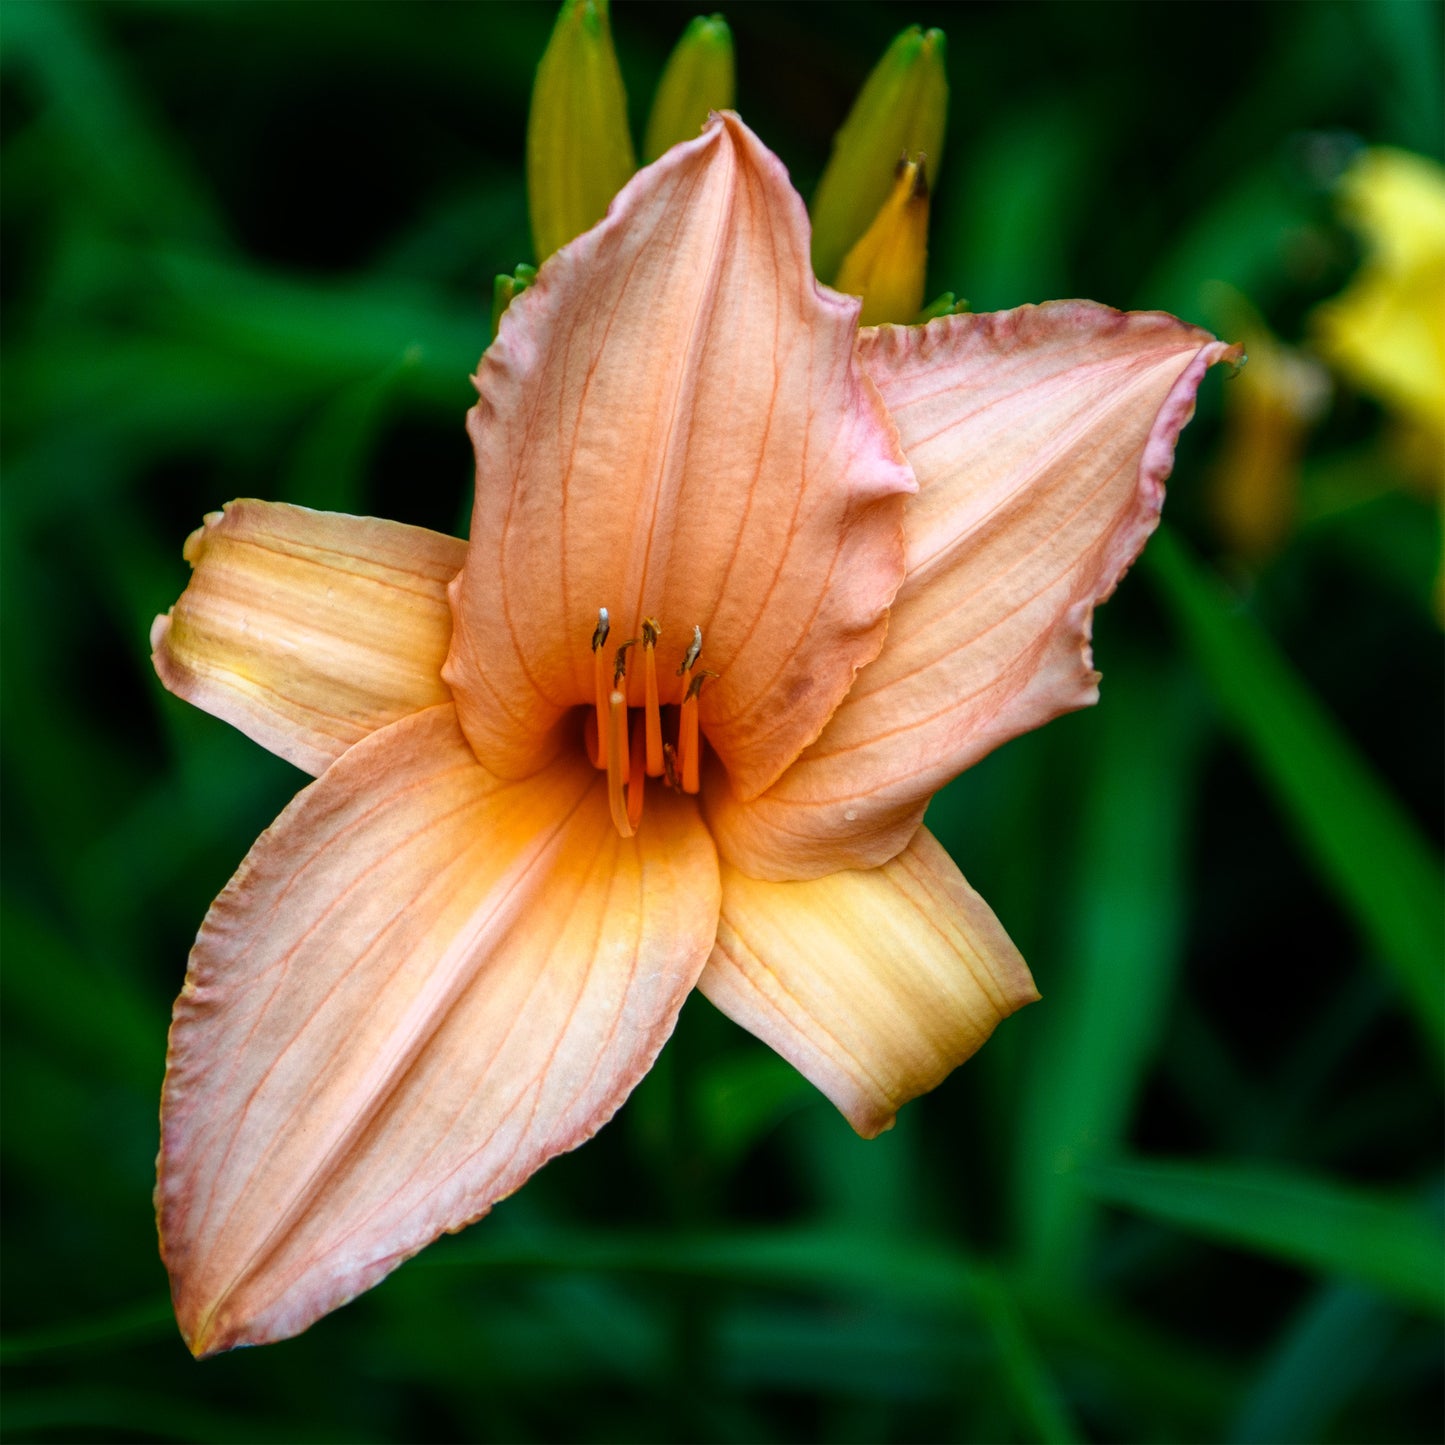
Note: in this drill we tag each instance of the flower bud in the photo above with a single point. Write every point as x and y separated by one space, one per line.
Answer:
698 78
886 267
505 289
901 110
579 150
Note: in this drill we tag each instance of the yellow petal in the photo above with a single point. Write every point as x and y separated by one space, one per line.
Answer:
902 109
579 150
887 267
697 79
420 986
309 630
875 984
673 424
1386 330
1041 439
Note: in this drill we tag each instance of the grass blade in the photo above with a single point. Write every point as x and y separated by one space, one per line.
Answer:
1369 851
1390 1243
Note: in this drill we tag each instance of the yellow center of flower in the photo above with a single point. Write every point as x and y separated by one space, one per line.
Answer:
633 751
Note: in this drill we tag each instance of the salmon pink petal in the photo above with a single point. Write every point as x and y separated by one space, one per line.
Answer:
421 985
875 984
673 423
309 630
1041 439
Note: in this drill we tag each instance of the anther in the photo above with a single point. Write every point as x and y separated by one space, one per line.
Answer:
651 631
616 764
693 650
619 663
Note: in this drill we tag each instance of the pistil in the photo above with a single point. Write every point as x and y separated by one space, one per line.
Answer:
617 792
638 784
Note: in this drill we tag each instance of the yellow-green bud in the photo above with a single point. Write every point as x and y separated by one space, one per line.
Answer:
579 150
887 265
902 109
698 78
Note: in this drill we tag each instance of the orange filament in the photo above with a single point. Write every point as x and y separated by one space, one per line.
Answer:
689 740
689 745
617 801
650 632
638 785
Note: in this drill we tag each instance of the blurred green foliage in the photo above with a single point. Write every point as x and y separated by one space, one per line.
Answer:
1194 1195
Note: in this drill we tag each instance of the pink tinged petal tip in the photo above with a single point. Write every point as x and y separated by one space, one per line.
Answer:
673 424
309 630
1041 439
388 1023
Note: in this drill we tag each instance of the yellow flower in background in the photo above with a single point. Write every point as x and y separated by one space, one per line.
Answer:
1385 333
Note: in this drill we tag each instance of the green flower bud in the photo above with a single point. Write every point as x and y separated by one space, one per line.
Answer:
507 288
698 78
902 109
579 150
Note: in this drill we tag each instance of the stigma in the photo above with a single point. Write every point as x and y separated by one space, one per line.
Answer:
632 750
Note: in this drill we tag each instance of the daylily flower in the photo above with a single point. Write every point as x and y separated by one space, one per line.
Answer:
745 586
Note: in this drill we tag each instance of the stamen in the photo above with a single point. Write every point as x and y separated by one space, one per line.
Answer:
619 663
599 687
651 630
617 764
638 782
619 682
669 766
689 739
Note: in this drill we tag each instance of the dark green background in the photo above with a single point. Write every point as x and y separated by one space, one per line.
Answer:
1194 1195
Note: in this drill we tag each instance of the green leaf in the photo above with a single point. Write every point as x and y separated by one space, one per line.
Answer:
1106 1010
1368 850
136 1322
1387 1242
1328 1353
834 1261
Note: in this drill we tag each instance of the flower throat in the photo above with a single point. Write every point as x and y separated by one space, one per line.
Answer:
633 751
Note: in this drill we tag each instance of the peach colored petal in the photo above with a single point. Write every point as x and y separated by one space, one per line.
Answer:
1041 439
673 423
421 984
309 630
875 984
